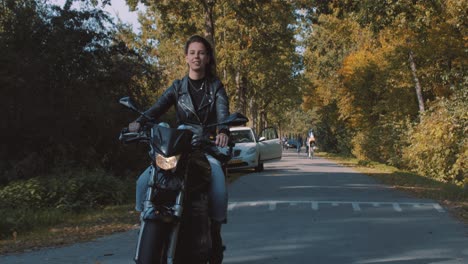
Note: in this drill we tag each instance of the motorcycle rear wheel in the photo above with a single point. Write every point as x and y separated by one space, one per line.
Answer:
153 243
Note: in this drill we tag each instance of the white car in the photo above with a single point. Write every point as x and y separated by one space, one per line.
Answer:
251 151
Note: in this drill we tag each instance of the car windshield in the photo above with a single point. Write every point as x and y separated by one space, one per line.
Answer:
241 136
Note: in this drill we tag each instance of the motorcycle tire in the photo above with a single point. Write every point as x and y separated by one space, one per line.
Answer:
153 243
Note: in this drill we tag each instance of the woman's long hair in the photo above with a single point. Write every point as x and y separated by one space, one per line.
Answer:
210 70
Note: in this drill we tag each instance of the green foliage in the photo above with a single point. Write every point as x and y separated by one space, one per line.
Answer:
438 145
45 201
332 135
26 219
67 190
62 74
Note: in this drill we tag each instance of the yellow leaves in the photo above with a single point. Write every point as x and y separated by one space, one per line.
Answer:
354 61
437 146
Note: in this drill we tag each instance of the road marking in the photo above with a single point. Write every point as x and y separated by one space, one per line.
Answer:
356 207
231 206
315 205
397 207
272 206
438 208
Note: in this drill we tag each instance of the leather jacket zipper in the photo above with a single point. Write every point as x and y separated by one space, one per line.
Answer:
190 109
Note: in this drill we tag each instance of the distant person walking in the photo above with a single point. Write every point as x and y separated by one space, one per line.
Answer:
310 143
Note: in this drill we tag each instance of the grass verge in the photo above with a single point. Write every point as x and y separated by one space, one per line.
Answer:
74 228
452 197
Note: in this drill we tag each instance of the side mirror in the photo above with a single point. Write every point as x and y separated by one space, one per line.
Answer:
236 119
128 102
261 139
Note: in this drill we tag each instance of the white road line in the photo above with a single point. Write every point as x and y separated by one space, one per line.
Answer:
314 205
272 206
231 206
397 207
438 208
356 207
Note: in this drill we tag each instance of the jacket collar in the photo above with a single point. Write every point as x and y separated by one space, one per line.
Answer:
187 99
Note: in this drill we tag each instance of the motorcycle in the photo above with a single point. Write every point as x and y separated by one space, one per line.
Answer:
175 222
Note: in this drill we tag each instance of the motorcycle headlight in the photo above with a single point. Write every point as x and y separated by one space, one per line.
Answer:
168 163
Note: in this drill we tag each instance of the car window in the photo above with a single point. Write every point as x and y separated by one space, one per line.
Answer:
242 136
269 133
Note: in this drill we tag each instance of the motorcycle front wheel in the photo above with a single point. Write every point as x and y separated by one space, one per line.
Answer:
153 243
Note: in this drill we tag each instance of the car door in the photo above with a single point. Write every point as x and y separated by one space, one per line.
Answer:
270 145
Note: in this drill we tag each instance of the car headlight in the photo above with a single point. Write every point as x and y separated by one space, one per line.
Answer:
251 151
168 163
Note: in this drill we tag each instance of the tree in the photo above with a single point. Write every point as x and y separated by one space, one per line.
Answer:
62 73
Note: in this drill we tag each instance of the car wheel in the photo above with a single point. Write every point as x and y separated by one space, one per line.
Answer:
259 167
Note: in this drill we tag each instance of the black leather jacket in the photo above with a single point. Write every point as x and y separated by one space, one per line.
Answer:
214 109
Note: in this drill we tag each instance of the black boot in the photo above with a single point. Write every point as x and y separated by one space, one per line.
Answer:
217 252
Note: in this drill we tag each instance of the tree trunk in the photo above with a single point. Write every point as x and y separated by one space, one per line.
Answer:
417 84
209 23
263 119
241 104
253 114
261 123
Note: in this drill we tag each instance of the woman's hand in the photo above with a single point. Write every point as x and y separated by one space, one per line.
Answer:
222 140
134 127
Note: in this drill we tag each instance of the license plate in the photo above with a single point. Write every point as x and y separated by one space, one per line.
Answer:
235 161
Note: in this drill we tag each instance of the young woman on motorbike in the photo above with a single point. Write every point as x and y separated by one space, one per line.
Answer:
199 98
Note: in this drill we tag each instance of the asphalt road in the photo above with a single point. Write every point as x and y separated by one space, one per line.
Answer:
314 211
307 211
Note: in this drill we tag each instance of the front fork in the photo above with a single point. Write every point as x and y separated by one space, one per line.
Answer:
175 230
148 215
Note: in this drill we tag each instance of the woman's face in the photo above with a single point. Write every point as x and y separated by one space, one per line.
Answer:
197 57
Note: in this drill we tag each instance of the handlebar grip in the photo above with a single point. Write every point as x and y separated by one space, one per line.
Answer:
128 137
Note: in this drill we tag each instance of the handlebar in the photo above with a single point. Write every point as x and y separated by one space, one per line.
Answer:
142 135
130 137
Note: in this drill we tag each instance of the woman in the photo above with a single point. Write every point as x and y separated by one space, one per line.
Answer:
199 98
311 143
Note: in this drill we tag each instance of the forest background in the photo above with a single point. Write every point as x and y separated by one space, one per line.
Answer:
381 81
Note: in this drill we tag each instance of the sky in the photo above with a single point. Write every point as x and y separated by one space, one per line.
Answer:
118 8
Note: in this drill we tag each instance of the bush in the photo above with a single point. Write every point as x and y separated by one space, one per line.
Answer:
366 145
46 201
70 191
382 143
438 147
